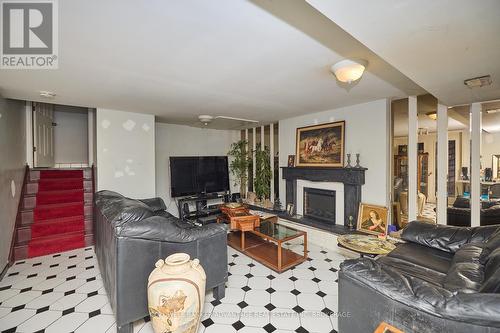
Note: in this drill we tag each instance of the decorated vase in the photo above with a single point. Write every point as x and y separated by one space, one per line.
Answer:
176 294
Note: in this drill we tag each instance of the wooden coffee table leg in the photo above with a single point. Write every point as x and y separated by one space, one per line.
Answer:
279 256
242 240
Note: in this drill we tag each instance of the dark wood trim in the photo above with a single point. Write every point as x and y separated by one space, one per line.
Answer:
18 215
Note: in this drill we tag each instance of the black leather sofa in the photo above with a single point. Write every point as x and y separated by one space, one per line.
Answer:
443 279
131 235
459 214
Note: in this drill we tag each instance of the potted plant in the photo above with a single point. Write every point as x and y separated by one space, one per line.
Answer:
239 165
263 175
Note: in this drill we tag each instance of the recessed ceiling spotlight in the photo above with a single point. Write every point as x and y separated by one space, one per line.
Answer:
477 82
47 94
349 70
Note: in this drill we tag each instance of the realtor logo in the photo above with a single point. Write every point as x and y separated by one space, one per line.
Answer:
29 34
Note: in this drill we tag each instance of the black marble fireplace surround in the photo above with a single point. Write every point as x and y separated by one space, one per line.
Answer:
352 178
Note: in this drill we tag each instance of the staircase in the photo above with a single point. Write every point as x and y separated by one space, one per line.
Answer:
56 212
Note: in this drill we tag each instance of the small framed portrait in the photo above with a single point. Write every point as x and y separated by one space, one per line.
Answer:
289 209
372 219
291 161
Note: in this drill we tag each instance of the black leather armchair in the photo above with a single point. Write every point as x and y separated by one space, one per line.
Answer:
131 235
443 279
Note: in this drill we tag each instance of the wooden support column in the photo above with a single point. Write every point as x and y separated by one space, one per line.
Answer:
475 180
412 157
442 164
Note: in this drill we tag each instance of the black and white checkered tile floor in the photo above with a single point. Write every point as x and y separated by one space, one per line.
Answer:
64 293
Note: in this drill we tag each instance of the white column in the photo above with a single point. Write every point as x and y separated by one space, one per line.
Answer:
442 163
90 135
475 181
262 138
271 157
412 157
254 144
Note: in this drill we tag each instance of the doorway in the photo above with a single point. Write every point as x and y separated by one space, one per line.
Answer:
60 136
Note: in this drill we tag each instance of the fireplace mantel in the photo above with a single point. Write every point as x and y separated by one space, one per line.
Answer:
352 178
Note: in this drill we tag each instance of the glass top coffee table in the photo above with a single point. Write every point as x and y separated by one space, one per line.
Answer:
265 244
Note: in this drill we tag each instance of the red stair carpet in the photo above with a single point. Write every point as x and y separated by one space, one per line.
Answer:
58 217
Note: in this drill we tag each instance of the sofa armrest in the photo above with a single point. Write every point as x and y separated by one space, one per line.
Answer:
478 308
156 204
444 237
159 228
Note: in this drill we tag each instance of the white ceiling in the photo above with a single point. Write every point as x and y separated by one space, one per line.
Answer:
178 59
437 44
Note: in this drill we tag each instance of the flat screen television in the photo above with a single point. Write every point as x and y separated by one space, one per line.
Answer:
198 174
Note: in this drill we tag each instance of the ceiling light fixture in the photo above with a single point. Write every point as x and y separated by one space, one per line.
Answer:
47 94
433 115
477 82
493 111
349 70
205 118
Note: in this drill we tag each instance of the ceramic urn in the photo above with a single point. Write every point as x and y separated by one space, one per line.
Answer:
176 294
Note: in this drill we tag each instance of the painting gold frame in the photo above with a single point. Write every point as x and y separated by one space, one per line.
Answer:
364 219
320 145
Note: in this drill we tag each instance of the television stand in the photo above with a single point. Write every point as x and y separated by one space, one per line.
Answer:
202 212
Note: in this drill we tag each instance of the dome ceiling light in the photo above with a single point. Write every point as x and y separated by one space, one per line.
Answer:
349 70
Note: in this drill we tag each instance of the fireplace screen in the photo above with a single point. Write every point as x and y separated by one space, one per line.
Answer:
319 204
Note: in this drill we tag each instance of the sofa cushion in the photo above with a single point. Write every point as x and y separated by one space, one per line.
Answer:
492 273
410 269
423 256
466 271
466 277
491 245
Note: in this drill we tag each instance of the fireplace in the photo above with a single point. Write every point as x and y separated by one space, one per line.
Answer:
345 182
319 204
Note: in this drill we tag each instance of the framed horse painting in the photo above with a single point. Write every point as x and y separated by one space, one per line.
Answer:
321 145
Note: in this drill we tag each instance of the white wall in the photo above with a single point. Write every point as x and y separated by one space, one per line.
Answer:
178 140
71 134
366 132
12 164
126 153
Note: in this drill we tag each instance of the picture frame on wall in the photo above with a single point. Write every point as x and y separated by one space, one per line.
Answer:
372 219
320 145
291 161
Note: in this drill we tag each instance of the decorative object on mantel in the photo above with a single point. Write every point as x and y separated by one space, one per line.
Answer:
372 219
239 164
350 222
320 145
348 165
176 294
289 209
357 161
291 161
